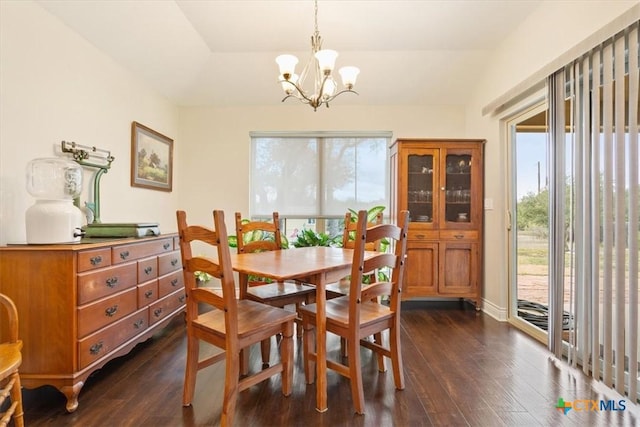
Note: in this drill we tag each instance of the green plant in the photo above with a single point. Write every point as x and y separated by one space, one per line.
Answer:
202 277
308 237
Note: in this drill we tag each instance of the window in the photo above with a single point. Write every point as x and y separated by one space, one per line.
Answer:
317 175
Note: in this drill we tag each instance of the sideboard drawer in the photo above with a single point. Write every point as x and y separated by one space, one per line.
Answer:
106 281
104 341
133 251
147 269
99 314
165 306
170 283
89 260
169 262
147 293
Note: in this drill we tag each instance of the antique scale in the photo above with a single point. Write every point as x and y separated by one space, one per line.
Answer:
101 160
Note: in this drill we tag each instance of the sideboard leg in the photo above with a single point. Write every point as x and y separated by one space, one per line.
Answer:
72 393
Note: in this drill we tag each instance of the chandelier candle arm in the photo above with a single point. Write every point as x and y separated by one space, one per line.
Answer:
321 64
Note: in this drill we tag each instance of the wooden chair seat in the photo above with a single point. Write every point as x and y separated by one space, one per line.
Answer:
371 313
280 294
254 319
10 361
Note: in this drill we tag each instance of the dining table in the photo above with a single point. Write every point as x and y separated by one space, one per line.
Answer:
316 265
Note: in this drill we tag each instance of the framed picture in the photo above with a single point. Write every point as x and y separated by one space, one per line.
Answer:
151 158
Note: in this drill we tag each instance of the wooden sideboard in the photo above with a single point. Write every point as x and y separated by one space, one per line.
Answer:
81 305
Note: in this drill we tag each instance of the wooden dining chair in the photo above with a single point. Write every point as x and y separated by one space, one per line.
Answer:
233 324
277 294
10 361
359 315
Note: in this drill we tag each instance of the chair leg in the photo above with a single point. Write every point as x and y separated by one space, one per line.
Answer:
308 344
191 370
298 321
377 338
343 348
396 357
355 374
16 396
231 381
286 358
244 361
265 350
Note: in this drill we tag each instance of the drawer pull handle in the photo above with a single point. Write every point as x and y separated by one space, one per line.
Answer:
174 282
420 236
157 312
148 294
95 349
174 262
112 282
459 236
124 254
138 324
181 298
95 260
166 246
111 310
148 270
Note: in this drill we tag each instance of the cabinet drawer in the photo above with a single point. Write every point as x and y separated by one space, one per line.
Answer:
169 262
422 234
133 251
147 269
101 283
459 234
106 340
99 314
88 260
165 306
170 283
147 293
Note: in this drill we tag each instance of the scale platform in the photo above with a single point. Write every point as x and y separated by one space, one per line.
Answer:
139 229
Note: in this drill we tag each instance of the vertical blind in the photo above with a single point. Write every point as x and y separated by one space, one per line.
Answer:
595 211
319 174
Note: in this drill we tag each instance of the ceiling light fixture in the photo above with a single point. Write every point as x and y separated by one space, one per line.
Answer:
321 64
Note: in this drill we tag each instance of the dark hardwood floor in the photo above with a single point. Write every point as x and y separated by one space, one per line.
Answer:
462 369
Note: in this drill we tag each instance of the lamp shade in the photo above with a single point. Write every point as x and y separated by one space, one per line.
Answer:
287 64
326 59
349 75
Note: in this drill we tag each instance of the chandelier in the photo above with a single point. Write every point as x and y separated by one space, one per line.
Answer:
321 65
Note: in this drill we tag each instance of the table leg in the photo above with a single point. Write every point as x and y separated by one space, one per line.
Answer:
321 345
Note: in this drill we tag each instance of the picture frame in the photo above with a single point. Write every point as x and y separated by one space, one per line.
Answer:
151 159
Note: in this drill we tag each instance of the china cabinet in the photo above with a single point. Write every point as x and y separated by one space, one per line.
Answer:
81 305
440 182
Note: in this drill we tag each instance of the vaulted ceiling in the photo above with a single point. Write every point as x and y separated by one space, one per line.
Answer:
221 53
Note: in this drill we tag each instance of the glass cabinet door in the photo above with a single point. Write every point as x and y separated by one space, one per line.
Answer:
420 187
457 188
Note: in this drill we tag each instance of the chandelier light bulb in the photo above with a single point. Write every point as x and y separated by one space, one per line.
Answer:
326 60
349 75
287 64
287 85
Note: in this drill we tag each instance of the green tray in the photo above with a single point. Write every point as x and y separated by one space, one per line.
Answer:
140 229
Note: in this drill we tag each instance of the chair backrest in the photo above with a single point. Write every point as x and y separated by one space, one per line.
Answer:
251 234
12 318
220 269
395 261
350 227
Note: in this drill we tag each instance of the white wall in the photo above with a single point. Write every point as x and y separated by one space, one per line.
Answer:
554 28
55 86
